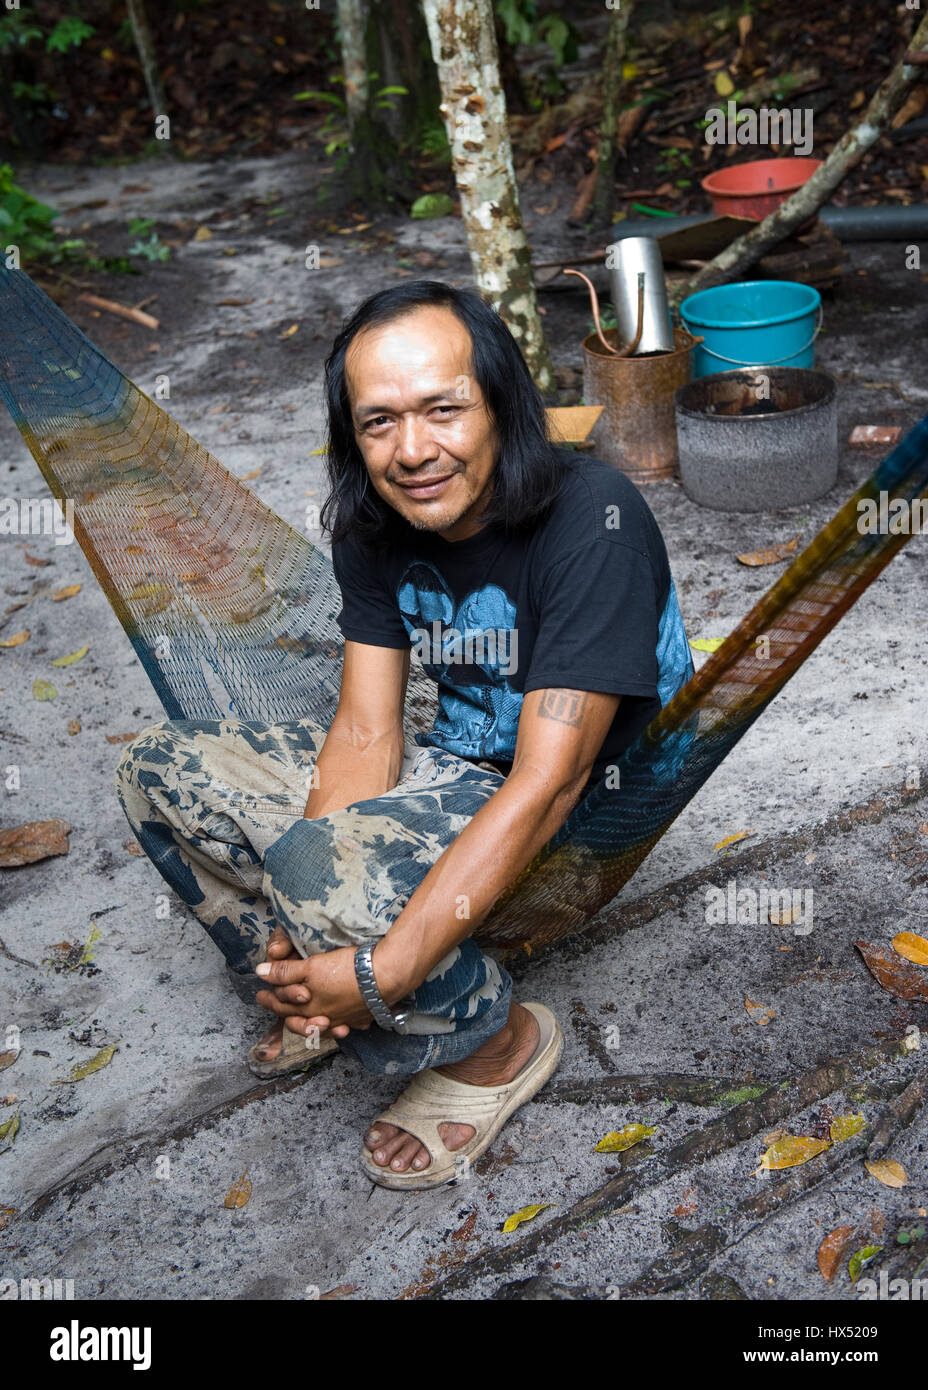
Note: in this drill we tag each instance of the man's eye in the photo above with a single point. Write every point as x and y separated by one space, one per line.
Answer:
375 421
452 408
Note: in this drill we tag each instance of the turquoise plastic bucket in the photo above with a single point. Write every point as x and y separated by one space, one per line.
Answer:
753 323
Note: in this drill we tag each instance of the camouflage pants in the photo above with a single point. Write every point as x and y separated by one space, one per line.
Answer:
217 805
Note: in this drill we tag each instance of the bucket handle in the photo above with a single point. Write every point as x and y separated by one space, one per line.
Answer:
769 361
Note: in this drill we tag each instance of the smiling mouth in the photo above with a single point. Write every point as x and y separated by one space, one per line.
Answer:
428 487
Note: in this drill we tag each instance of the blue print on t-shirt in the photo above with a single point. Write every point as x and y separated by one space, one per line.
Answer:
475 719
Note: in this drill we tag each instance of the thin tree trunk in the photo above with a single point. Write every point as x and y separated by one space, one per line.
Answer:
141 32
463 38
351 30
613 59
807 200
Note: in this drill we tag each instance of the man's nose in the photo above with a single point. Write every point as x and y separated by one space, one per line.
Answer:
414 442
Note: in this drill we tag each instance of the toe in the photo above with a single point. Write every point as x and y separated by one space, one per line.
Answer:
406 1153
379 1134
455 1136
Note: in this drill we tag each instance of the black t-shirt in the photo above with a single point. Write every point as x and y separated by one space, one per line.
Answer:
586 601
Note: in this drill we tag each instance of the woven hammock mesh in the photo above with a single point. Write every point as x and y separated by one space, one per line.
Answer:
232 611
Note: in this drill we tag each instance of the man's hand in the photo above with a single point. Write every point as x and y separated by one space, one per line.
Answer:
320 991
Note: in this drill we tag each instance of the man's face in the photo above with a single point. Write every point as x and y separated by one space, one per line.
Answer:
421 421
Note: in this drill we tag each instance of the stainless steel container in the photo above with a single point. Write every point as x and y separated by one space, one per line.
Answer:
624 260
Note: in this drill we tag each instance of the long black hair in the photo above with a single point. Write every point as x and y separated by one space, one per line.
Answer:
530 470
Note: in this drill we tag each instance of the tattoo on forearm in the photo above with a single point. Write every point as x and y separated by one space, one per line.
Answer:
566 706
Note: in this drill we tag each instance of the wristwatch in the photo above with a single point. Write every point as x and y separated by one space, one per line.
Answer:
367 984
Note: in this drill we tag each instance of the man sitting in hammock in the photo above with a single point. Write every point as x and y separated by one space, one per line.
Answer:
534 586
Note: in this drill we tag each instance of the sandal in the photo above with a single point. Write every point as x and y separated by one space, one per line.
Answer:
432 1099
294 1055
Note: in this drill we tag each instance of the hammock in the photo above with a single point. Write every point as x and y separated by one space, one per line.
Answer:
232 612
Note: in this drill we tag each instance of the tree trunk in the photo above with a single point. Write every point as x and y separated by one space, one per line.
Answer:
146 50
351 30
806 201
613 59
463 38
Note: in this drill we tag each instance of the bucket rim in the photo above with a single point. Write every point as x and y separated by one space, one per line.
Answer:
701 321
823 403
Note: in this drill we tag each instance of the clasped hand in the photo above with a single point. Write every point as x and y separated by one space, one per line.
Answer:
316 992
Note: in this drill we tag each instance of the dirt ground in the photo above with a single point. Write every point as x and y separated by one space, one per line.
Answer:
118 1181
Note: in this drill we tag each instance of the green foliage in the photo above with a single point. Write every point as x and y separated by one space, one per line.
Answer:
68 33
522 25
150 250
18 29
432 205
433 142
24 221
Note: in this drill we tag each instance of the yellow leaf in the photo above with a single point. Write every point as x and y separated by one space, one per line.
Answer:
255 473
103 1058
67 592
321 450
202 234
761 1013
733 839
74 656
618 1140
107 54
629 71
723 84
887 1171
239 1193
793 1150
844 1126
706 644
41 690
914 948
289 332
8 1130
17 639
525 1214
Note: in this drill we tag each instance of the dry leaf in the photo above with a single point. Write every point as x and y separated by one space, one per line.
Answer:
793 1150
525 1214
289 332
760 1013
255 473
887 1171
35 559
8 1058
202 234
845 1126
37 839
723 84
771 556
10 1129
341 1291
239 1193
912 947
782 916
327 262
121 738
67 592
894 974
832 1249
43 690
5 1214
80 1070
17 639
706 644
74 726
858 99
688 1203
618 1140
72 657
733 839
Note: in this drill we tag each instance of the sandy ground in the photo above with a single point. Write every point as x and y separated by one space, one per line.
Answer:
118 1181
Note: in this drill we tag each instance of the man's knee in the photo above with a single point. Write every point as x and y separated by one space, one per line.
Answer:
150 754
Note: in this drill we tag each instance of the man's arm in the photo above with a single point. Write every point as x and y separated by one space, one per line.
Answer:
363 749
560 734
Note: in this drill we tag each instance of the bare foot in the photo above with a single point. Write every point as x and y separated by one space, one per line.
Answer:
500 1059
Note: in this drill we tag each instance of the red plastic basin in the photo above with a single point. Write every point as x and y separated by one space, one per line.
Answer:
754 190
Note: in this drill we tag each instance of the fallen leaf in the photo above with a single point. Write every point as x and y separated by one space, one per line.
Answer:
72 657
723 84
234 303
341 1291
858 99
793 1150
5 1214
239 1193
618 1140
17 639
255 473
525 1214
37 839
327 262
289 332
8 1058
80 1070
733 839
121 738
782 916
67 592
911 946
43 690
10 1128
893 973
832 1250
887 1171
844 1126
74 726
771 556
860 1258
688 1203
202 234
706 644
35 559
760 1013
